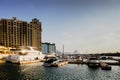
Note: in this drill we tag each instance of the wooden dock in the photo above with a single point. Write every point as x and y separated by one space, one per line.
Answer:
60 63
75 62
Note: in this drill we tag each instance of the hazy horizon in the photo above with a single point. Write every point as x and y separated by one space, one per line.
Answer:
88 26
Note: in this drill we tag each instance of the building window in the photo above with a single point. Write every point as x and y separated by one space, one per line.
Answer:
14 23
8 23
17 24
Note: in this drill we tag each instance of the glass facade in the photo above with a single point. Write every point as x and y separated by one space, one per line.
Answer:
48 48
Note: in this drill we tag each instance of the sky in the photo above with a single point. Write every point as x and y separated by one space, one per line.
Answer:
88 26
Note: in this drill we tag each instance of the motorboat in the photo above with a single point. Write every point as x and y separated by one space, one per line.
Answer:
53 61
49 62
25 55
93 62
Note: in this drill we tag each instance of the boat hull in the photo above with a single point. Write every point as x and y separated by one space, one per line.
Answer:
23 62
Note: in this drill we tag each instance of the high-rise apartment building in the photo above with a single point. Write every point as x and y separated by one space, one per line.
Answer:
48 48
14 33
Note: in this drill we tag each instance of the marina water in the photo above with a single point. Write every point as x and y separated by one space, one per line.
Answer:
68 72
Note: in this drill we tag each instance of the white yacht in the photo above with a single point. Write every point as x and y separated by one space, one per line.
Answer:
25 55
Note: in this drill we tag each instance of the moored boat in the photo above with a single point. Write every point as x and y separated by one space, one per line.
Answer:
25 55
49 62
54 62
105 66
93 62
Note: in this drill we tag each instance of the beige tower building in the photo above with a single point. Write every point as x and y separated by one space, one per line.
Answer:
14 33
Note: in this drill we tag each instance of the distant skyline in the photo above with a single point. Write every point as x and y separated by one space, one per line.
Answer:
88 26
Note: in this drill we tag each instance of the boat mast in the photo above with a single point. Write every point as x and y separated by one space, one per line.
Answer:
63 50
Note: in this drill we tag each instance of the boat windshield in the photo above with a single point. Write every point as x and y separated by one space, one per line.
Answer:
21 53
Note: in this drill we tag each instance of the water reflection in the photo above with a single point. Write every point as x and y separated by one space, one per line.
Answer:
8 71
68 72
